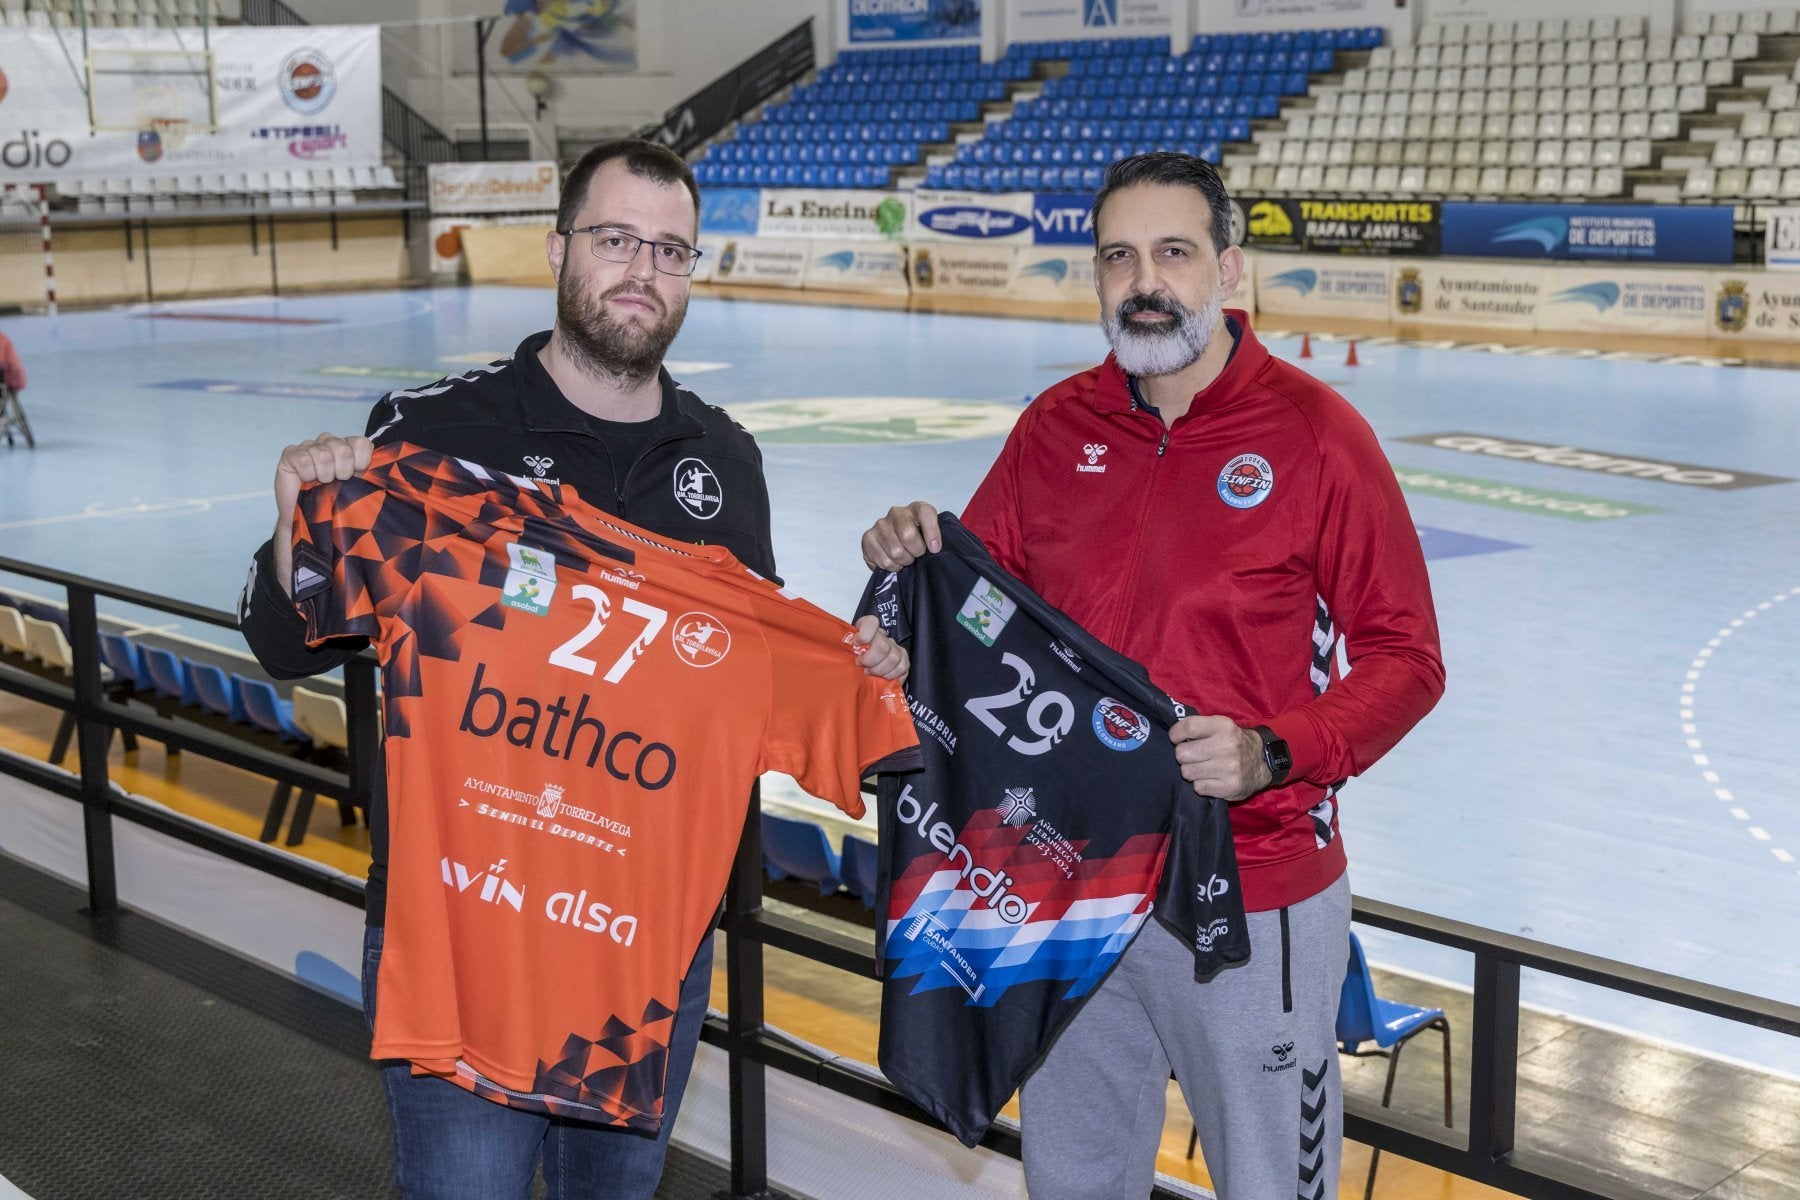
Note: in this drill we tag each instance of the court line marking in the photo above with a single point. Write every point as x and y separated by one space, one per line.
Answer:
186 506
1690 727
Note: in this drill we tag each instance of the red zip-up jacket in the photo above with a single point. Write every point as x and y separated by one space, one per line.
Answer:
1229 553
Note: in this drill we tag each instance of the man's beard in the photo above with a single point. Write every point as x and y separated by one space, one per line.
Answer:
607 347
1163 348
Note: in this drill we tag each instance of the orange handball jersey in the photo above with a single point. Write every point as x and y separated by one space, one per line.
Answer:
576 711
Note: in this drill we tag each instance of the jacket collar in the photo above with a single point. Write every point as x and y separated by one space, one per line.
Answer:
1112 387
547 410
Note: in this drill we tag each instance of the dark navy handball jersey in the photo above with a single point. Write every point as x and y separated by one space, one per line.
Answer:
1020 862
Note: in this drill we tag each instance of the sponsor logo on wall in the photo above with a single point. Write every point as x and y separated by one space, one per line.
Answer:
1328 226
1598 461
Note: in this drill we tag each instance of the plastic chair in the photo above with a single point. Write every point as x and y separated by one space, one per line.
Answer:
799 849
12 631
1365 1017
266 709
216 693
168 676
861 863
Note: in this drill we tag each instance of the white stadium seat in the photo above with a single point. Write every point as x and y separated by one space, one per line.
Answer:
1700 183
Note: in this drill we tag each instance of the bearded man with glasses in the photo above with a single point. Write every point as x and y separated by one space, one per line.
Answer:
587 404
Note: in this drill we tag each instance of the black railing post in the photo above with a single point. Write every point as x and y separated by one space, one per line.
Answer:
362 719
744 1018
93 737
483 27
1494 1057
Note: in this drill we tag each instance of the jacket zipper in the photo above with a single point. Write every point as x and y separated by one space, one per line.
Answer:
624 484
1137 543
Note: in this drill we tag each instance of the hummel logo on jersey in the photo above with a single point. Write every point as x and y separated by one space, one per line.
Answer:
1282 1051
312 574
1283 1054
1094 452
539 464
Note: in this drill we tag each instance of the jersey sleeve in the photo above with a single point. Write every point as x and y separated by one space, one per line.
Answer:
830 724
336 559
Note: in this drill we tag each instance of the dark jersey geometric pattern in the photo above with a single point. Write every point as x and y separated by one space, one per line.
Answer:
1020 862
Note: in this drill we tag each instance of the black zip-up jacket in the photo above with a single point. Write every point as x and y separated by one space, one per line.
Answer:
697 478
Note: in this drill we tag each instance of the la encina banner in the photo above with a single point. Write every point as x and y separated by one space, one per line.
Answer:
875 22
1618 232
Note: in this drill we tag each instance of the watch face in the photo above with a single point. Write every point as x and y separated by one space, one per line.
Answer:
1275 753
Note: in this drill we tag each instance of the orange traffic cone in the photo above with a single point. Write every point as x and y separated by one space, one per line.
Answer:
1306 345
1350 359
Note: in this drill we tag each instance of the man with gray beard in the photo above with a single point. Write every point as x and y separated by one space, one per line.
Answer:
587 405
1230 522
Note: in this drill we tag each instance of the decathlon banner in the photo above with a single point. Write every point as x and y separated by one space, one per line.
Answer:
1629 232
1309 286
971 217
834 214
1643 301
873 22
1455 293
288 97
859 266
1781 240
493 187
1057 20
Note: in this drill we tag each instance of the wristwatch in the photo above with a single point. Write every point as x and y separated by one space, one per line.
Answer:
1275 756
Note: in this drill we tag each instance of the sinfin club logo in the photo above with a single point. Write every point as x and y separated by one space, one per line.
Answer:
307 81
1246 481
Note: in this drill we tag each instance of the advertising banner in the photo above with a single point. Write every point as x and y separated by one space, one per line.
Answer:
1453 293
1255 16
860 266
1244 295
966 269
1781 240
1626 232
1056 20
493 187
1341 226
1061 219
568 37
874 22
1755 304
1667 303
730 210
288 97
834 214
971 217
1056 274
770 262
446 236
1323 287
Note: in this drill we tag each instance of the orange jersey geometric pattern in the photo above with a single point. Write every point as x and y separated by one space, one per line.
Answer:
576 710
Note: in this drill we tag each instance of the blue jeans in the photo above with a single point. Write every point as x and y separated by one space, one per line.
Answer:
450 1144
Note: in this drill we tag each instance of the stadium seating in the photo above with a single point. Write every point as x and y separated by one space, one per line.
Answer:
799 849
316 187
861 865
1582 102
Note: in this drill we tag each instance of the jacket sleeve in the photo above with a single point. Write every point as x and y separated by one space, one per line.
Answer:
993 511
276 632
271 625
1376 592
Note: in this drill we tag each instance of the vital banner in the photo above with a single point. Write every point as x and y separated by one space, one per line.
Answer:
288 97
1341 226
1062 219
1632 233
873 22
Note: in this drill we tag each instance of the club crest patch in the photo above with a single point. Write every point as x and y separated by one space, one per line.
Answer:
1246 481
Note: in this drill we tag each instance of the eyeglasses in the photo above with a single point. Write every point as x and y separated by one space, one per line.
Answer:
615 245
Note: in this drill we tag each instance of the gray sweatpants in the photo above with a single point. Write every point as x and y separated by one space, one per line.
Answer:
1253 1049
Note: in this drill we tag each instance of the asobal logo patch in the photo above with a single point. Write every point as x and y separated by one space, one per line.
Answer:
986 612
527 592
1686 474
1568 505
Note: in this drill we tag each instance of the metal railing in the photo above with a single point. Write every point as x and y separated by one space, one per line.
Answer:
1487 1151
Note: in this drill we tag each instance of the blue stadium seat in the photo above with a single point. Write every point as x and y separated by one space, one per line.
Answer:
267 710
168 675
799 849
216 693
121 654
